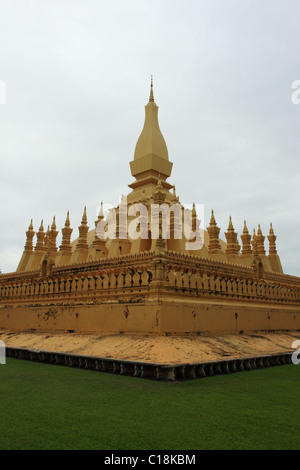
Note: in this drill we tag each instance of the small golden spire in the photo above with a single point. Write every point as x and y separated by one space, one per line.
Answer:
65 246
233 246
29 236
40 238
260 242
246 239
272 240
151 98
213 232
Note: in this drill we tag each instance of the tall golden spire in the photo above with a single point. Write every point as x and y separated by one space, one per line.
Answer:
151 153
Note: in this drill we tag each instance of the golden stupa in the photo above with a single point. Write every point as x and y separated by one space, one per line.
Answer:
139 281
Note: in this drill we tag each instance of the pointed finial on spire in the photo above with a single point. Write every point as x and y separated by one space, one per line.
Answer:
101 214
41 229
151 98
271 229
53 226
30 226
84 217
245 230
67 222
230 226
212 219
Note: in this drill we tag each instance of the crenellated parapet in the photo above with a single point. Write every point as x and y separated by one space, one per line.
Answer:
162 270
144 282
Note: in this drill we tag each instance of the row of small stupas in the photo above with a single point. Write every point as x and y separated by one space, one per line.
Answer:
150 167
89 247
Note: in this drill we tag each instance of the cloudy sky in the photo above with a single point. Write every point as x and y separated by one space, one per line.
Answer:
77 74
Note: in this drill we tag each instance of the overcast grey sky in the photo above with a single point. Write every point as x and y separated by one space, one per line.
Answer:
77 75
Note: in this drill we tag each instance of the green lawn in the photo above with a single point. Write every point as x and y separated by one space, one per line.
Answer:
52 407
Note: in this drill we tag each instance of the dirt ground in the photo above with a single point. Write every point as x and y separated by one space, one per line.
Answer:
156 349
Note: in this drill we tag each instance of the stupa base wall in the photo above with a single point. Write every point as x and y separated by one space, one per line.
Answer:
207 317
158 316
151 293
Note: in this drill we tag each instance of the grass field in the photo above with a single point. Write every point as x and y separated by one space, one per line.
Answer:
52 407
